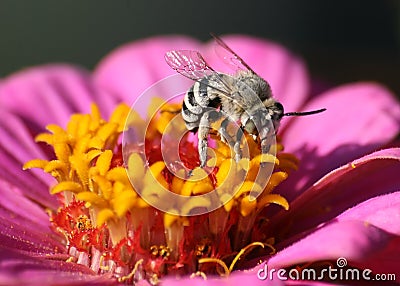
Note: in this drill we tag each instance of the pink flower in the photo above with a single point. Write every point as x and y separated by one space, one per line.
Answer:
344 199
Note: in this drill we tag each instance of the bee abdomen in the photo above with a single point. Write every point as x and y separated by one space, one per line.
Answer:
191 111
197 100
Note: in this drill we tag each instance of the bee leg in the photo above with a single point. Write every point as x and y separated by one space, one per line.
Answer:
225 137
236 146
265 146
204 129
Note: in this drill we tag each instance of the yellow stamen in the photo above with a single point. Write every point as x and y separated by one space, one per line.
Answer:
198 183
132 273
264 158
242 252
104 215
275 199
55 129
83 166
195 203
155 171
247 205
136 168
124 202
92 198
80 164
45 138
118 174
56 166
104 161
177 183
226 171
275 179
216 261
36 163
227 201
119 116
66 186
247 187
287 165
169 219
244 164
289 157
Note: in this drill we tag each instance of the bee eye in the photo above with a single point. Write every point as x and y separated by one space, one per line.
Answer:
278 110
279 106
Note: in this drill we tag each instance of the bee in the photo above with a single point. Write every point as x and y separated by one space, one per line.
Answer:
244 98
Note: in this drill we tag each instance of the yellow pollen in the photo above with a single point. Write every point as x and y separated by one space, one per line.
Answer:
83 223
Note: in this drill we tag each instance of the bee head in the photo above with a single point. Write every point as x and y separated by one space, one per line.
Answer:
260 121
274 109
277 111
274 112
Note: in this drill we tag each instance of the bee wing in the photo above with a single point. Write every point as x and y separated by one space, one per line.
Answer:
191 64
229 57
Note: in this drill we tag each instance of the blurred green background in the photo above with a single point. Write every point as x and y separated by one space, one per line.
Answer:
340 40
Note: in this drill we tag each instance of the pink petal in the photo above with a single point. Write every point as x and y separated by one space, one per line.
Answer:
248 277
17 147
19 269
285 72
359 118
382 211
50 94
24 225
17 208
28 240
16 139
351 184
355 241
129 70
26 181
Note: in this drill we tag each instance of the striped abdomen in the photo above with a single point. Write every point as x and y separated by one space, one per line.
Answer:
198 99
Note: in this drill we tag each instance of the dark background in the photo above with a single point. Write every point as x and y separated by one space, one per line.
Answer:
341 41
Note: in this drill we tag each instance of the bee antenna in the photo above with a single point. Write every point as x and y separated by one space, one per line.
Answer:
304 113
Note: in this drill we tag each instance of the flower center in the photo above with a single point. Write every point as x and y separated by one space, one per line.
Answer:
108 227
